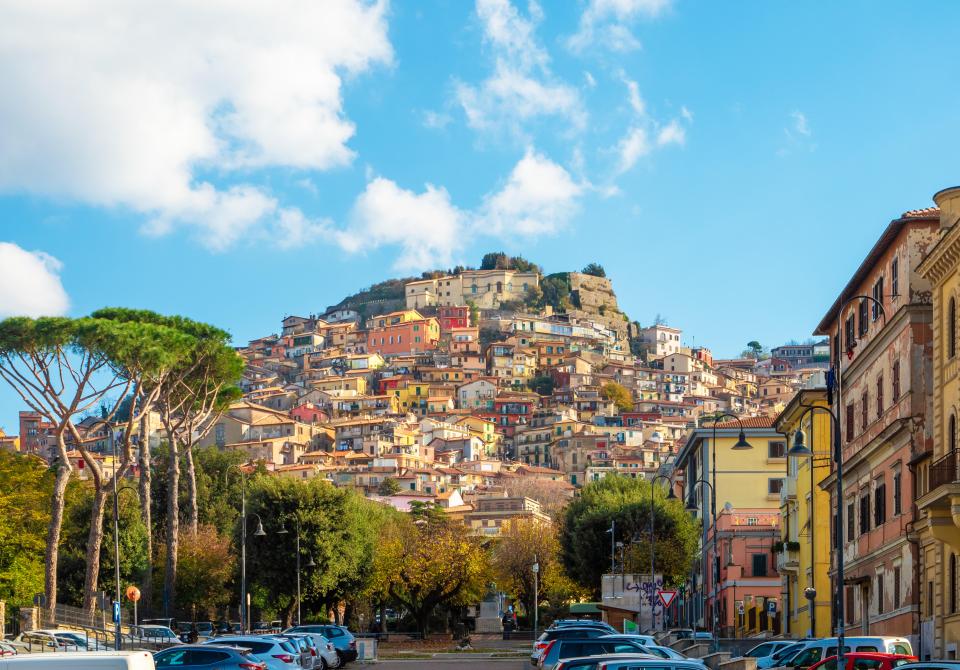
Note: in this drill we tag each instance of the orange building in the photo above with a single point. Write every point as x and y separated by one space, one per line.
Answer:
402 332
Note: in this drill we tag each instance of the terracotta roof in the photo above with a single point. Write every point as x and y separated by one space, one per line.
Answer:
748 422
926 211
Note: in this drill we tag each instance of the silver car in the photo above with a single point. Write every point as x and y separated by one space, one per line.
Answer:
640 664
326 653
277 654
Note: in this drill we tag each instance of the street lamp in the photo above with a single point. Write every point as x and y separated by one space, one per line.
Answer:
740 445
310 564
692 507
259 532
801 450
536 595
670 496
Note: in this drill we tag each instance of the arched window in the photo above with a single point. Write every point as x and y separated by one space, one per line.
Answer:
952 329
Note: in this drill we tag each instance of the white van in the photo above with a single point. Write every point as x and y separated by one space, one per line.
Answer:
80 660
816 650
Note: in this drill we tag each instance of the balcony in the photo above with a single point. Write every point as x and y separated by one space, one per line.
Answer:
941 499
788 556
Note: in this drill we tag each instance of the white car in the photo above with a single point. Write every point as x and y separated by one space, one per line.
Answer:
89 660
671 654
326 649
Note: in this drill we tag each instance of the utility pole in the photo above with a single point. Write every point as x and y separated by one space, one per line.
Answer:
536 596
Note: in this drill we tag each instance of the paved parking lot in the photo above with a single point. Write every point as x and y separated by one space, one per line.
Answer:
456 664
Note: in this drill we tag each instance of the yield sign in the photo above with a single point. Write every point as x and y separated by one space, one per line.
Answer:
666 597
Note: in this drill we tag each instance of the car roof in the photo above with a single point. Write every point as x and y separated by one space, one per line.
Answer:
870 654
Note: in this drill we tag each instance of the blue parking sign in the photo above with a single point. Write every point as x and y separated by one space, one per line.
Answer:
116 611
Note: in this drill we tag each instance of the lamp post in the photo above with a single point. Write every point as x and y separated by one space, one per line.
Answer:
692 507
536 595
670 496
740 445
800 450
259 532
613 545
310 563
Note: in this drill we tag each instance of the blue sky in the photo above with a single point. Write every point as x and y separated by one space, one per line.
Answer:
728 163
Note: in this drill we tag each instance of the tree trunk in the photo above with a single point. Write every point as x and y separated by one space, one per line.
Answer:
94 542
52 555
146 477
423 621
173 528
193 519
383 618
291 612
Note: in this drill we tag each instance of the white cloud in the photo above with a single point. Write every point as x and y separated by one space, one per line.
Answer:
132 104
607 22
426 226
539 197
686 114
30 283
672 133
634 145
521 86
800 123
636 102
436 120
591 82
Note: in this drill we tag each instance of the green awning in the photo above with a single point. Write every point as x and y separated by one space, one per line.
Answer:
584 608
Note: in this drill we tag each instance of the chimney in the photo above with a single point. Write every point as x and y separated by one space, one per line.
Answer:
948 200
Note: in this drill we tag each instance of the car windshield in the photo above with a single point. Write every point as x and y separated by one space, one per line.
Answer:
159 631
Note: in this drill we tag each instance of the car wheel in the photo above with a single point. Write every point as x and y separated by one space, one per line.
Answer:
336 664
323 664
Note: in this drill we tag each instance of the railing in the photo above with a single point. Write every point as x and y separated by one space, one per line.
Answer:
944 470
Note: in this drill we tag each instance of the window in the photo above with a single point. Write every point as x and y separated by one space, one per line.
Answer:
864 512
878 298
897 495
953 583
879 504
862 324
850 420
833 533
849 605
776 449
879 396
896 587
895 381
880 593
952 329
774 486
864 411
848 335
759 565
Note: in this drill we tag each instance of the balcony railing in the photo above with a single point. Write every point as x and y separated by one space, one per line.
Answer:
944 470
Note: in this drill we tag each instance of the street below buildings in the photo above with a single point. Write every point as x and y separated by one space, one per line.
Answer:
454 664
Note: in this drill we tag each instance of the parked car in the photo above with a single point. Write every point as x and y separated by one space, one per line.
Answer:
682 633
277 654
87 660
341 638
866 661
204 629
208 656
671 654
645 640
591 662
815 651
781 657
158 636
766 649
562 623
646 665
50 640
931 665
703 636
563 632
558 650
297 646
323 650
7 649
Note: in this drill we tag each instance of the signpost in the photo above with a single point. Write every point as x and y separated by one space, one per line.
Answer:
666 597
116 612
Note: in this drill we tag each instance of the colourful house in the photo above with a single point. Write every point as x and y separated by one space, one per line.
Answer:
403 332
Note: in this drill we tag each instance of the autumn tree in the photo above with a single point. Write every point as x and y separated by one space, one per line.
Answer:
585 542
206 568
426 560
522 543
619 395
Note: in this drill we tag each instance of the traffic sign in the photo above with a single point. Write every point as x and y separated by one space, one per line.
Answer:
666 597
116 611
772 606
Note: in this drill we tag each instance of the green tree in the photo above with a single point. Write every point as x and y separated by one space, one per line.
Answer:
205 574
474 313
619 394
25 487
594 269
425 560
755 348
585 542
494 260
542 384
556 291
388 487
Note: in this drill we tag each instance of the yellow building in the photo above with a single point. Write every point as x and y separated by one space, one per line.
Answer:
336 383
485 429
413 397
804 557
938 476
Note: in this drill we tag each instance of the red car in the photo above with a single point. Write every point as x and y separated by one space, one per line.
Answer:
862 660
